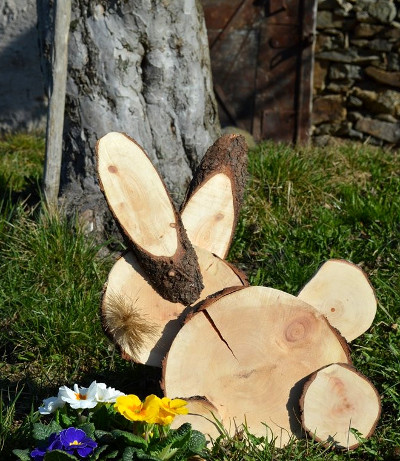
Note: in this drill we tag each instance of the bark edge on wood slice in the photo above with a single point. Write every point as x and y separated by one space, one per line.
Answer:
211 208
203 416
335 399
142 206
138 320
342 292
263 343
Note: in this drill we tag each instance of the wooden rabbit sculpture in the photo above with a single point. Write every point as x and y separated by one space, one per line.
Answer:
241 354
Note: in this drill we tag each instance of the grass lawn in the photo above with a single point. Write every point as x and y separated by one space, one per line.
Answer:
303 206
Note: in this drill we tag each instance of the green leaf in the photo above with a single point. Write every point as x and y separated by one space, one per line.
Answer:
23 455
89 429
97 452
197 442
58 455
42 431
128 453
102 417
129 439
65 420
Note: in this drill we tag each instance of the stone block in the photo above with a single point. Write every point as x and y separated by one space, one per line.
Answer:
365 30
383 10
389 132
328 108
385 102
339 71
320 73
382 76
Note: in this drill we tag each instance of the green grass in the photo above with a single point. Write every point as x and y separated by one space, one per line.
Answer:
303 207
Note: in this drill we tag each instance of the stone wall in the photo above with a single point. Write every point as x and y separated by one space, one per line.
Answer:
357 71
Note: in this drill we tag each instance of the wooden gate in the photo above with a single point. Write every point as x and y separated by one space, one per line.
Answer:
262 62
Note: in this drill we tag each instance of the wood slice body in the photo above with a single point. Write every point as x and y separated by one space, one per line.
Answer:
130 303
211 208
336 399
140 203
341 291
248 353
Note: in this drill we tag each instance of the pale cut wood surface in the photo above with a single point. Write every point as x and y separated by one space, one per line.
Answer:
336 399
202 416
128 281
341 291
209 215
248 353
139 201
214 198
137 195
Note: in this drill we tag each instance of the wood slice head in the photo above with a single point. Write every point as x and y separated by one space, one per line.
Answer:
141 322
249 353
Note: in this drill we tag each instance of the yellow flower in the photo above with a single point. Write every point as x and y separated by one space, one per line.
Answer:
132 408
169 409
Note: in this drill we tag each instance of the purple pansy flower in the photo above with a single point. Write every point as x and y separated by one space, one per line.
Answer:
53 443
71 440
75 441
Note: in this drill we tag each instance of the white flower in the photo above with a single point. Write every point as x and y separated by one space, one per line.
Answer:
106 394
84 397
50 405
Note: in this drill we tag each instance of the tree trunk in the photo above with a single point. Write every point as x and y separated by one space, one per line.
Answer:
141 67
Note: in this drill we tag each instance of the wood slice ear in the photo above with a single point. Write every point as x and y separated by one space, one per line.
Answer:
211 208
341 291
335 400
139 201
142 323
251 350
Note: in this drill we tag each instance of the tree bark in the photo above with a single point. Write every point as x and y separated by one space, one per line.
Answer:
141 67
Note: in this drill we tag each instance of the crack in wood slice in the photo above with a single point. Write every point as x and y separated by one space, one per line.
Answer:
143 324
211 208
341 291
139 201
337 400
277 340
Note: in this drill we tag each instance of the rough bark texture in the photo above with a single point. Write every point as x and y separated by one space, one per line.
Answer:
213 201
141 67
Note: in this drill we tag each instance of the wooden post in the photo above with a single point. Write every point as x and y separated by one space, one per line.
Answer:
55 117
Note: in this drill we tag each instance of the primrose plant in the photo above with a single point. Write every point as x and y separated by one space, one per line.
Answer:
100 422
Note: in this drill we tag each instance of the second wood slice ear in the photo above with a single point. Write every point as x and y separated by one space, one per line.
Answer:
211 208
139 201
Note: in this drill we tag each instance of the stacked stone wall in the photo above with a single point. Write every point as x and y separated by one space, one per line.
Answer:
357 71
